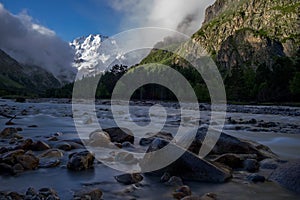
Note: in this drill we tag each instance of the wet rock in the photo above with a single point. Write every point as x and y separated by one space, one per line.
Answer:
10 157
256 178
182 192
49 163
125 158
269 164
150 137
18 168
129 179
92 194
165 177
31 192
6 169
229 144
52 153
48 194
120 135
127 145
175 181
63 146
288 175
40 146
188 166
75 145
81 161
235 161
209 196
25 145
251 165
28 161
9 133
99 138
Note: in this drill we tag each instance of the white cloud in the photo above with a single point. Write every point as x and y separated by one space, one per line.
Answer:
34 44
185 16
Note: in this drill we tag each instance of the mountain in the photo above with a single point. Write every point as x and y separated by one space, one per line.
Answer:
96 53
255 44
18 79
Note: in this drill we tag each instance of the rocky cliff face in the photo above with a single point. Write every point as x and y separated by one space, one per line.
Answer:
277 19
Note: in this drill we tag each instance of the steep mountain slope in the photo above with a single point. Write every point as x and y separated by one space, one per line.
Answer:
24 80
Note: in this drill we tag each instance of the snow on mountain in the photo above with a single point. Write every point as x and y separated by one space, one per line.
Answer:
93 55
96 53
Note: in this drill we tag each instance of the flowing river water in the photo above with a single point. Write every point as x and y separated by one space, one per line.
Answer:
52 116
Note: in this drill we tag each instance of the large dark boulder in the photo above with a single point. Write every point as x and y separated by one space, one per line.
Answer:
120 135
81 161
188 166
288 175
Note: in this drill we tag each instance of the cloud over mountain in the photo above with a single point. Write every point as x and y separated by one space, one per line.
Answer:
33 44
181 15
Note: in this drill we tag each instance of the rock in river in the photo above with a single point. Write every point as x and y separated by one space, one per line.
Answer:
81 161
188 166
120 135
288 175
128 179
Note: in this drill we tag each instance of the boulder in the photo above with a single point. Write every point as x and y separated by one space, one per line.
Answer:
88 194
256 178
99 138
81 161
129 179
188 166
28 161
288 175
150 137
251 165
9 133
40 146
182 192
120 135
235 161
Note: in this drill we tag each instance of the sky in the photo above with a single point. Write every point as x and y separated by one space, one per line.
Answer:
74 18
38 32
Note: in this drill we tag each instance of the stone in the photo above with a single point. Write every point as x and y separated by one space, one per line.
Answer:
256 178
25 145
288 175
9 133
49 163
235 161
28 161
150 137
125 158
251 165
99 138
81 161
40 146
269 164
182 192
18 168
188 166
52 153
128 179
120 135
63 146
174 181
165 177
6 169
89 194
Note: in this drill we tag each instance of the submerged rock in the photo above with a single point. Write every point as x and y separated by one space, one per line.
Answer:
40 146
129 179
182 192
88 194
288 175
99 138
81 161
9 133
256 178
148 140
120 135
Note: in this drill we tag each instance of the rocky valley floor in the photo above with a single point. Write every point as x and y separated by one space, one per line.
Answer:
42 157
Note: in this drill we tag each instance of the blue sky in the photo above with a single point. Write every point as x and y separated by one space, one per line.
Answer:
70 18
